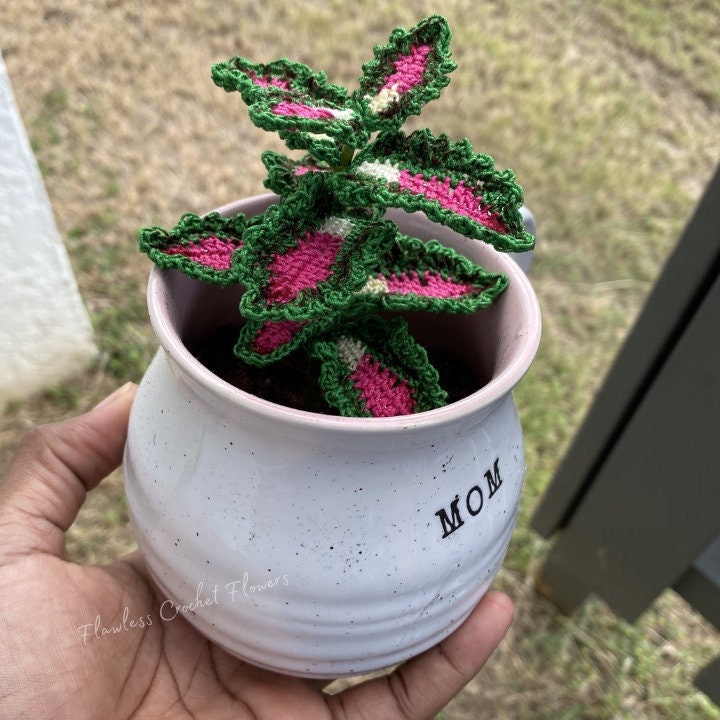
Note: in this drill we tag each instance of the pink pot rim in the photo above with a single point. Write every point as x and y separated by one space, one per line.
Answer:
527 343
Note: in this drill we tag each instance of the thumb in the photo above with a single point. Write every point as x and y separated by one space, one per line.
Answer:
52 471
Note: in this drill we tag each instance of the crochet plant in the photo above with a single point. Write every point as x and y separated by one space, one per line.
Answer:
323 267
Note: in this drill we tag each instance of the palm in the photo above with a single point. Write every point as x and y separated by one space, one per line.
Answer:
163 670
89 642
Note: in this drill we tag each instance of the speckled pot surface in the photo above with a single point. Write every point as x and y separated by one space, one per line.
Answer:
322 546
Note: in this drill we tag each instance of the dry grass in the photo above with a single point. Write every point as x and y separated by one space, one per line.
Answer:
608 114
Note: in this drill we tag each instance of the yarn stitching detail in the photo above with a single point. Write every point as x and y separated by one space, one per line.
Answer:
202 247
373 367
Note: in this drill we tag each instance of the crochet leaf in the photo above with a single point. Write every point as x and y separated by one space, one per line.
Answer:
284 173
308 112
374 368
417 275
406 73
307 258
262 342
200 246
446 180
257 81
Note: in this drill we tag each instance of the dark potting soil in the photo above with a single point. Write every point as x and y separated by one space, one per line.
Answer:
292 381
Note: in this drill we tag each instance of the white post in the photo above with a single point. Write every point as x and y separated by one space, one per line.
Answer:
45 332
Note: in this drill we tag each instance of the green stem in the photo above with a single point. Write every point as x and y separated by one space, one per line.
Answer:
345 158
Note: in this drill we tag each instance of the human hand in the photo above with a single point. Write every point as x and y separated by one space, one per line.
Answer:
153 669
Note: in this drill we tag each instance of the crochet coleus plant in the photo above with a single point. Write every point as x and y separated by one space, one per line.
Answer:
322 267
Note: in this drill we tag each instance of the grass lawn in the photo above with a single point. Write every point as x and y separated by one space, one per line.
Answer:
608 112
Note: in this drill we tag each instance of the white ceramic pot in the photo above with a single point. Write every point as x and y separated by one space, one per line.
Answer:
324 546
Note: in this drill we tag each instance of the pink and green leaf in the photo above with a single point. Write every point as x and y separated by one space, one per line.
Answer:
447 181
200 246
324 136
374 368
262 342
307 258
428 276
284 173
408 72
258 82
288 97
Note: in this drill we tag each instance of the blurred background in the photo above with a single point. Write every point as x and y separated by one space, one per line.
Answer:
607 112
